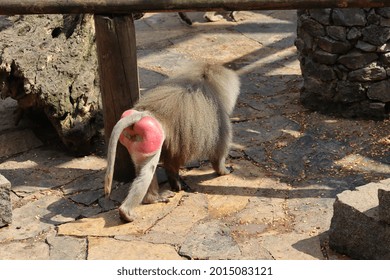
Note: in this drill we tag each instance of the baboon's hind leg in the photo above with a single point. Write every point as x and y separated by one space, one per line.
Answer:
219 157
175 181
153 195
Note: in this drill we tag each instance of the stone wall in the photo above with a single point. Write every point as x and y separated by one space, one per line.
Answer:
345 61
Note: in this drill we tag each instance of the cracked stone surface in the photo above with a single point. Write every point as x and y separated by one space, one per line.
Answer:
289 163
66 247
101 248
210 240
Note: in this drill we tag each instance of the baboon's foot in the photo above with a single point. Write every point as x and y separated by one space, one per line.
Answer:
126 215
158 198
223 170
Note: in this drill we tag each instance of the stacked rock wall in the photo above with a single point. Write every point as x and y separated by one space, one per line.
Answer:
345 61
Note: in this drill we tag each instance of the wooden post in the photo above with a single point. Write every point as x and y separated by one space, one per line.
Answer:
117 57
9 7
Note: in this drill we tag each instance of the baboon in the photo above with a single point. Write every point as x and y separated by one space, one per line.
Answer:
185 118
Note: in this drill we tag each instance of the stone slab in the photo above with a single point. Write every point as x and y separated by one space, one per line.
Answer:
259 131
90 182
5 202
110 224
19 141
253 249
355 228
279 29
101 248
293 246
67 247
30 220
210 240
88 197
384 205
33 171
174 228
30 250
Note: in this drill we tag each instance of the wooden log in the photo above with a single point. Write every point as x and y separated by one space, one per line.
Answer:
125 6
116 48
48 64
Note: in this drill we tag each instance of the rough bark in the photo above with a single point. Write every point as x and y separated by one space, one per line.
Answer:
48 63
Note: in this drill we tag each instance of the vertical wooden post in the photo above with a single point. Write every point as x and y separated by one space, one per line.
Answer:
117 57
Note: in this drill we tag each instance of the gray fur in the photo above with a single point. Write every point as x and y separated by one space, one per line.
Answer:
116 132
193 108
139 187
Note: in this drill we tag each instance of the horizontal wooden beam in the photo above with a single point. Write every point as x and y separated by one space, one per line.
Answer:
8 7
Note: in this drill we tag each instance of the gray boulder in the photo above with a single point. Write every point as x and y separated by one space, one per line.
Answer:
356 228
5 202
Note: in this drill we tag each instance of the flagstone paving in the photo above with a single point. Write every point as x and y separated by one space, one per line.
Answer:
289 163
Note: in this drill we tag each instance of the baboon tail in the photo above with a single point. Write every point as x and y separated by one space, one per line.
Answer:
114 138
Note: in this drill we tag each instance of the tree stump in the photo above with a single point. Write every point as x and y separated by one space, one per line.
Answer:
48 63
